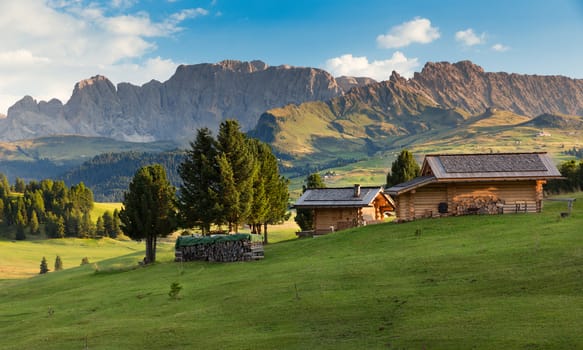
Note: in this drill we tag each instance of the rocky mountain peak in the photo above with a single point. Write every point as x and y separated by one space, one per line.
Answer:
91 81
243 67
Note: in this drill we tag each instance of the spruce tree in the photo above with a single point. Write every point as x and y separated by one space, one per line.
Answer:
239 162
43 266
149 208
403 169
199 199
58 263
34 225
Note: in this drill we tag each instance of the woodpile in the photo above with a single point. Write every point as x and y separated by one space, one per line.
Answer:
478 205
219 248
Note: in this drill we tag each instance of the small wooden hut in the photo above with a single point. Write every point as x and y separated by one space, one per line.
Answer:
341 208
462 184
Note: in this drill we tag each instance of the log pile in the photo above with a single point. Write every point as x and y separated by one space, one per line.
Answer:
478 205
220 248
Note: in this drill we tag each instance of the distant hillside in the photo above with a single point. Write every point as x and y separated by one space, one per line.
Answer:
49 157
108 175
406 112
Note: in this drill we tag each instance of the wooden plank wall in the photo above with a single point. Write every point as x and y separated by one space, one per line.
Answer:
327 217
526 196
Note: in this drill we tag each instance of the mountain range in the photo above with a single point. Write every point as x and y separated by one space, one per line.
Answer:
311 119
196 96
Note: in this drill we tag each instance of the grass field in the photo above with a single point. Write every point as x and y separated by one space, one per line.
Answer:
476 282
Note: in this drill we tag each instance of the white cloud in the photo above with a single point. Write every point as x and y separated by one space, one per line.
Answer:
379 70
55 43
418 30
469 38
500 47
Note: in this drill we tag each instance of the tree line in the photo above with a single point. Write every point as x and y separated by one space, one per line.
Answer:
50 205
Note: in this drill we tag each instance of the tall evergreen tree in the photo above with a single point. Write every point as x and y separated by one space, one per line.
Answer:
199 201
305 217
229 195
100 227
238 161
34 225
149 208
403 169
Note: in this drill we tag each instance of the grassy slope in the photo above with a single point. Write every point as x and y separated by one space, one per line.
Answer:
512 281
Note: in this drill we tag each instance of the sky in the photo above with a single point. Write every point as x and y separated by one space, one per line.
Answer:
46 46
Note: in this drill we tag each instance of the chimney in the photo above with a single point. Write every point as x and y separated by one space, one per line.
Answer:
356 190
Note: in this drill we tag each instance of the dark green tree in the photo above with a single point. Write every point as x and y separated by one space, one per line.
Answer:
58 263
149 208
305 217
199 200
34 225
100 227
44 268
108 225
55 226
403 169
238 161
19 185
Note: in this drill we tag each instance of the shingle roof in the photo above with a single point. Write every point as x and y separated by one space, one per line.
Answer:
338 197
491 165
410 185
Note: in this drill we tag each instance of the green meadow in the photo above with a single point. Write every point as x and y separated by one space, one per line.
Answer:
474 282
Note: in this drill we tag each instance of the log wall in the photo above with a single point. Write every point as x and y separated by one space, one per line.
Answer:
471 198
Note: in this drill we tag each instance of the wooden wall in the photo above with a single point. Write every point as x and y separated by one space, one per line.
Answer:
502 197
339 218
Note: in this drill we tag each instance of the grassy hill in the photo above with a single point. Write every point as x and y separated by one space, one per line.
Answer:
481 282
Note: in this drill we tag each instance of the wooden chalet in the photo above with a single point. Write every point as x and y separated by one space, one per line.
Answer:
341 208
462 184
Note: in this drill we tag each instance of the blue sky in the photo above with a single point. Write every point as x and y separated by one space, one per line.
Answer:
49 45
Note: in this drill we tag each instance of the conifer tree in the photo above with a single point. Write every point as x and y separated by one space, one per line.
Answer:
239 163
43 266
198 201
100 227
34 224
403 169
58 263
149 208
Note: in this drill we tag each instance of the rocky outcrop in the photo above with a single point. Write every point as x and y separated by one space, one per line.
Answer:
347 83
201 95
465 85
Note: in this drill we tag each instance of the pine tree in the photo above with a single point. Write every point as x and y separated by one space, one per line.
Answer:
34 225
149 208
305 217
108 225
58 263
239 163
230 195
403 169
100 228
43 266
198 201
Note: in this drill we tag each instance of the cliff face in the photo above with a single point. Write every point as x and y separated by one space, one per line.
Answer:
465 85
204 95
195 96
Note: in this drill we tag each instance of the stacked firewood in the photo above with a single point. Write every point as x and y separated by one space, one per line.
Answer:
218 249
478 205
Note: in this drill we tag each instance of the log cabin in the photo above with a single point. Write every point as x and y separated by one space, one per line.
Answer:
463 184
341 208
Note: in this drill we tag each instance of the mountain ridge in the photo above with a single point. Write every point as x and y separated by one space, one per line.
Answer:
201 95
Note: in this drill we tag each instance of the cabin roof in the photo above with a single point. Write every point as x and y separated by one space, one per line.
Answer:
480 167
410 185
512 166
340 197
